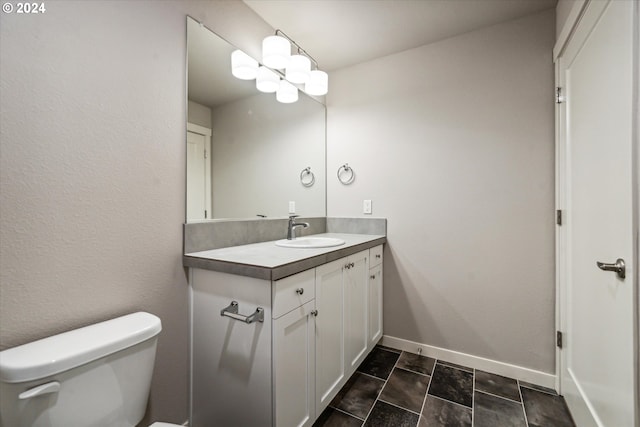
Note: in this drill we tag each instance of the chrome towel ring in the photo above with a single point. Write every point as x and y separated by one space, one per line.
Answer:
307 178
348 171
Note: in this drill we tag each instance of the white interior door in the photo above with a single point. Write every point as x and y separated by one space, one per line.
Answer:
198 177
597 307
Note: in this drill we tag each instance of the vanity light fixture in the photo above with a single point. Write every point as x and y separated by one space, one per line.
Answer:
318 83
243 66
276 57
276 51
298 69
287 93
267 81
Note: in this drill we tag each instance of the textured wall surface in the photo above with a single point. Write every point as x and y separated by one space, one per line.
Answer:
92 170
454 144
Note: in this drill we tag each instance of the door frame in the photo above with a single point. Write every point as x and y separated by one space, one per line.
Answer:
576 14
207 133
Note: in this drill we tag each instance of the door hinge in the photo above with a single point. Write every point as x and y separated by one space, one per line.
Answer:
559 339
559 96
205 214
205 154
559 217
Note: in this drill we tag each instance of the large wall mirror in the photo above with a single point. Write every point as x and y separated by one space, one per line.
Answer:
246 152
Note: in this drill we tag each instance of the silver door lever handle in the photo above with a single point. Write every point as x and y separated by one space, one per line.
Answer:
618 267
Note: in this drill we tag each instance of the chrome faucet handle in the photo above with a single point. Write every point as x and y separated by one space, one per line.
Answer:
291 228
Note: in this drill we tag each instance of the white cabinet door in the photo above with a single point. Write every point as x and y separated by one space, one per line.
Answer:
230 360
375 305
330 361
294 368
356 310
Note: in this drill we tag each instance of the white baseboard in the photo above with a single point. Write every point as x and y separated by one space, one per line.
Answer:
488 365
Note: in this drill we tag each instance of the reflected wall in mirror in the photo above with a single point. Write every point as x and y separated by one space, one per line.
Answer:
245 150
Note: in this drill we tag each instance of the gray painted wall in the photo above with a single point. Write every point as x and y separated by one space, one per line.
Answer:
454 144
92 170
199 114
259 149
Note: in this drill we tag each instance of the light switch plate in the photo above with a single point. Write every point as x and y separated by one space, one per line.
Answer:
366 207
292 207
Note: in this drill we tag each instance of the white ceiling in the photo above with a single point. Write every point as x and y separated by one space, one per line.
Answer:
340 33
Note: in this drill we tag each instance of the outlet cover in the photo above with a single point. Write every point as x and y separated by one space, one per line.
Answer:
366 207
292 207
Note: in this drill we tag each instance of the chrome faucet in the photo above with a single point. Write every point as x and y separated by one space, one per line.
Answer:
291 230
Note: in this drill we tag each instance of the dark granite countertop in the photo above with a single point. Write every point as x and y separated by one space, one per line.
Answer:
270 262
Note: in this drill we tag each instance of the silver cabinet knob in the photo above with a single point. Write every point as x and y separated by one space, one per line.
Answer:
300 291
617 267
314 312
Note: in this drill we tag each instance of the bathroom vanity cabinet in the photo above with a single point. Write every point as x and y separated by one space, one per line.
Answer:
319 325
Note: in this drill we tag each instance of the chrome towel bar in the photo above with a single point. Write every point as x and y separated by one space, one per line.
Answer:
232 312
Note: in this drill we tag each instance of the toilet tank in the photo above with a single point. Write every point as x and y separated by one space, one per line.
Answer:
96 376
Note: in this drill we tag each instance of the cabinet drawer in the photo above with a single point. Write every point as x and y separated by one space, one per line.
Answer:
375 256
293 291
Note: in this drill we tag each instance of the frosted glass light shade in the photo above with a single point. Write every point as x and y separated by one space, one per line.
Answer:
318 83
243 66
299 69
276 51
287 93
267 81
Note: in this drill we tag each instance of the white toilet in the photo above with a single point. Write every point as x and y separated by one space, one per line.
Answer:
96 376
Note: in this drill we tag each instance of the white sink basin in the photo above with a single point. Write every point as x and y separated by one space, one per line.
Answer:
310 242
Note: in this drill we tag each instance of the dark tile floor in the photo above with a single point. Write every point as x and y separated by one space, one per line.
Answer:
399 389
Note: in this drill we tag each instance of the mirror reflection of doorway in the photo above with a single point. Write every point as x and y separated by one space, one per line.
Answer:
198 173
